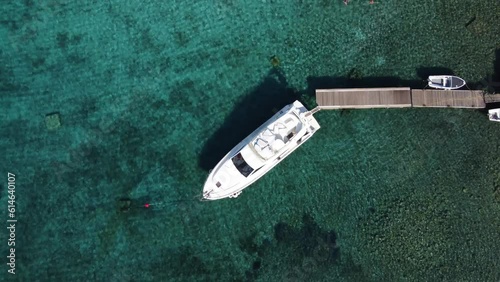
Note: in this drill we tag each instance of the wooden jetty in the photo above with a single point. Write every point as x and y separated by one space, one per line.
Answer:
448 98
362 98
400 97
491 98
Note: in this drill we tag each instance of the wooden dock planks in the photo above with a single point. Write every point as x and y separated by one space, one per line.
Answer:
399 97
448 98
491 98
363 98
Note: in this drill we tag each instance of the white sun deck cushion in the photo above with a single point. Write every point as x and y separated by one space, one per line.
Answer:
275 136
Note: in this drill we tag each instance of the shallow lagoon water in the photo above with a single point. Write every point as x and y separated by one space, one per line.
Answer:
152 94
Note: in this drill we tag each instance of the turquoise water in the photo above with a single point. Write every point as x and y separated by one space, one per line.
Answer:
151 94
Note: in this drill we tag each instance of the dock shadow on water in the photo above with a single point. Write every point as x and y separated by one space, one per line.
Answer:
354 79
425 72
496 64
253 110
496 72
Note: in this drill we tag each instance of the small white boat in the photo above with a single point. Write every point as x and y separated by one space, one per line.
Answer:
262 150
494 114
446 82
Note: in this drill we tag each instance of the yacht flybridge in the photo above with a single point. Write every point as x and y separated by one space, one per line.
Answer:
262 150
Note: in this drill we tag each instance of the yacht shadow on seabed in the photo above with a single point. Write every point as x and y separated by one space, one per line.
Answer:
251 112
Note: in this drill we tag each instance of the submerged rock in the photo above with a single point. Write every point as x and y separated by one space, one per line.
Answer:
275 61
53 121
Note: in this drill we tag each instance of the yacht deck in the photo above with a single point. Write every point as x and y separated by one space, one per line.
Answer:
276 135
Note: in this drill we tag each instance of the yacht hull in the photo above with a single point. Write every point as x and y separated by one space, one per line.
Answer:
247 161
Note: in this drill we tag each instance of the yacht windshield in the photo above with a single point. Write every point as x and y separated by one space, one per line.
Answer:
241 165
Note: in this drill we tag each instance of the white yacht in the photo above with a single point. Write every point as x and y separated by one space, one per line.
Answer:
262 150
